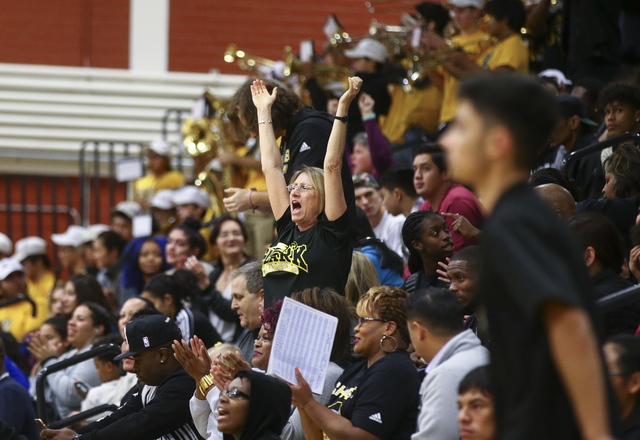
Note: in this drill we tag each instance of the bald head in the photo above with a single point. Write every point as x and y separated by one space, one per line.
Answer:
558 199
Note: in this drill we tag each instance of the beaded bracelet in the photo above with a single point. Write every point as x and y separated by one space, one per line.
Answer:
251 204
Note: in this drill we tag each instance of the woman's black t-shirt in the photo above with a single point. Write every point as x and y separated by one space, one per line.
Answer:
317 257
382 400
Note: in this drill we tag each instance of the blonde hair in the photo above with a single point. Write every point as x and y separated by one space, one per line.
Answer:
362 277
388 303
317 177
220 349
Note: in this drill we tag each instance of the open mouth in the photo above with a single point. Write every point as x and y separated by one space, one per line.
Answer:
295 206
222 413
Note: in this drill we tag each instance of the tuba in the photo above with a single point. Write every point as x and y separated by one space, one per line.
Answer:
202 138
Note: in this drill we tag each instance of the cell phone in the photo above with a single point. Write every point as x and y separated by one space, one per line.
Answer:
41 424
81 388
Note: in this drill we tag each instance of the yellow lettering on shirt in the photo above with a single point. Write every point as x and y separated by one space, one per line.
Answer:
285 258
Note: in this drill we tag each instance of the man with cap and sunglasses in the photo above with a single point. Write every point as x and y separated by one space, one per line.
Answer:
159 409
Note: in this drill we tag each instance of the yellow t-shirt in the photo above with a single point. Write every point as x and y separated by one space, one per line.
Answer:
474 45
146 187
419 106
40 289
510 52
17 319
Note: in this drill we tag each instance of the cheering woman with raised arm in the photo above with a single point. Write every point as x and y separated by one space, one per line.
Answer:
313 246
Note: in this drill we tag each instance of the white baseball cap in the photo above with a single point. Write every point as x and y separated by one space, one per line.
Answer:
368 48
128 209
466 3
163 199
9 266
92 232
73 236
160 147
28 247
6 245
191 194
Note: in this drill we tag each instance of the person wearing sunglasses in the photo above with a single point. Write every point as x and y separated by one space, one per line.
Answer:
313 246
242 409
376 397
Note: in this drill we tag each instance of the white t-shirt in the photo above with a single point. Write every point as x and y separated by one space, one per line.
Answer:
389 230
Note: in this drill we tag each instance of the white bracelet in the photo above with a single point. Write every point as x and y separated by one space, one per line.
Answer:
264 122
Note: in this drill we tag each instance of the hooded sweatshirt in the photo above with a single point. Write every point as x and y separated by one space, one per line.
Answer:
269 406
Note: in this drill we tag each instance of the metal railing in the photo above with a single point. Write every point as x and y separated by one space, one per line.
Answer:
175 117
625 137
58 366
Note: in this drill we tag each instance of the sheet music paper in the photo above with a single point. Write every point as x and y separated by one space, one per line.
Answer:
304 339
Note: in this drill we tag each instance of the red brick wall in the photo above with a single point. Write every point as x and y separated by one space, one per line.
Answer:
91 33
200 33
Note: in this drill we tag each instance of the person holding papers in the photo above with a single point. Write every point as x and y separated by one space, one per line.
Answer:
313 246
377 397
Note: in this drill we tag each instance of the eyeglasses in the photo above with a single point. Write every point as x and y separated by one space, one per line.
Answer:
302 187
263 340
363 319
235 393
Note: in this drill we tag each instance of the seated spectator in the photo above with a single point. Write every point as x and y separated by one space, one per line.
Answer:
476 414
142 259
228 238
6 246
19 314
386 226
386 402
622 356
427 237
91 233
159 176
604 253
170 294
194 202
621 109
122 219
88 322
69 249
551 175
362 277
129 308
55 300
108 372
558 199
621 190
386 262
31 252
161 408
433 183
436 326
185 241
80 289
248 303
50 341
163 210
398 193
16 408
242 410
107 248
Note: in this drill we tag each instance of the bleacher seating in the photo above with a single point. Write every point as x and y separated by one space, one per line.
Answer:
47 111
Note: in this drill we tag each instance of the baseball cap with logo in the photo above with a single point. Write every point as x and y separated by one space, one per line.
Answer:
28 247
148 332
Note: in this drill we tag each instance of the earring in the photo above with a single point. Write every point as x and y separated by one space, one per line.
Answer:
388 337
96 331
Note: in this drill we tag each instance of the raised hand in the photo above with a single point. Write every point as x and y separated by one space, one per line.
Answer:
195 360
301 394
462 226
262 99
365 104
354 88
41 348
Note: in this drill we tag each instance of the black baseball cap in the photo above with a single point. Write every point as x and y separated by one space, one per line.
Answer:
573 106
148 332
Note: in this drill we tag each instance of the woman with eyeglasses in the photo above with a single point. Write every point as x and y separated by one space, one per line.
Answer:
313 246
376 397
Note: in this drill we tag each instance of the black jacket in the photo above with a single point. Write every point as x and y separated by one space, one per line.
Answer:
146 416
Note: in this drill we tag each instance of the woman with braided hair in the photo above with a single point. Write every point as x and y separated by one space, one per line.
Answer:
376 397
427 236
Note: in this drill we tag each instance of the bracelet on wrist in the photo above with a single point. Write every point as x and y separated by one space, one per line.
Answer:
368 116
253 207
342 118
205 383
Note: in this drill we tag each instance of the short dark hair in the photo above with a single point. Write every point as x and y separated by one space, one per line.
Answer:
518 102
112 240
182 286
282 111
437 309
477 379
552 175
398 177
42 257
595 230
434 12
470 254
623 92
191 227
512 10
113 338
435 151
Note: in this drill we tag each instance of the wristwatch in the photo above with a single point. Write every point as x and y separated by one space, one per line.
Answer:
205 383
